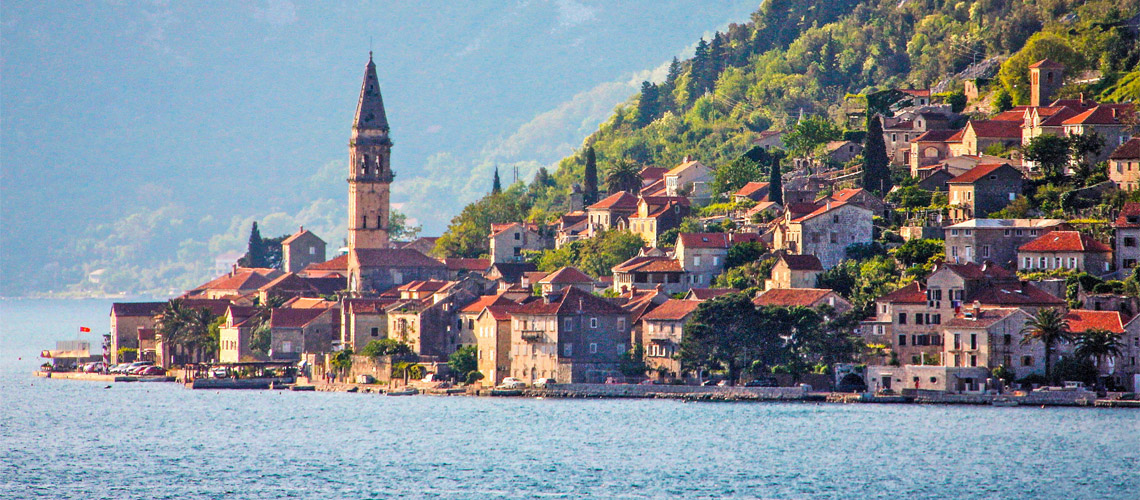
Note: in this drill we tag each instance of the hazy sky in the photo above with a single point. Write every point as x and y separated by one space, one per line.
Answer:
106 107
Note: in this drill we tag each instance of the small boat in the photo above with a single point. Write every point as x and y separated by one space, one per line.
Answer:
404 392
1004 402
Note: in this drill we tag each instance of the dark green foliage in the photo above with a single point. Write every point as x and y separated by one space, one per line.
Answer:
810 133
398 228
255 250
918 251
747 277
1050 328
464 361
1002 101
341 361
648 105
864 251
187 328
876 172
1073 369
386 347
1051 152
594 256
466 236
623 175
590 178
743 253
496 185
910 197
731 177
775 181
956 100
632 362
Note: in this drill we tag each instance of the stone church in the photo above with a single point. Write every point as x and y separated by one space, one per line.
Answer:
373 266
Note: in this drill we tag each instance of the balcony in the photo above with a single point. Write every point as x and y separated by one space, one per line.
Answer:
659 337
532 335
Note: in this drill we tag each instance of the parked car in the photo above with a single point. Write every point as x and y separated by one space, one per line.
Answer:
543 382
119 368
219 373
512 383
97 367
152 371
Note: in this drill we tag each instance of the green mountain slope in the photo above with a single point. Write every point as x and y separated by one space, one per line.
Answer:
805 56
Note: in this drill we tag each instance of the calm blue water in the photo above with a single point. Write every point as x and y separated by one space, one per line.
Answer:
68 439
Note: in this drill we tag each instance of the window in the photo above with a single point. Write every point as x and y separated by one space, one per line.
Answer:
834 237
593 348
696 260
620 348
518 236
375 332
902 319
918 320
1007 339
973 360
470 324
286 346
1041 262
1019 232
312 250
1129 241
716 260
621 324
985 250
1028 263
568 325
936 319
953 232
835 219
1072 262
1027 361
973 341
593 322
1007 232
568 349
902 340
1012 196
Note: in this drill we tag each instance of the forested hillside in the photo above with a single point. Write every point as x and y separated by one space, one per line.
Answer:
807 57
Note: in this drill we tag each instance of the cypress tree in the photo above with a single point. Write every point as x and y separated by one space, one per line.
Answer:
647 104
876 173
665 97
255 251
717 58
697 71
590 182
775 181
496 185
674 73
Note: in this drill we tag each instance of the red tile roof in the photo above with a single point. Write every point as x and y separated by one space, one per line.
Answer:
936 135
916 92
672 310
424 286
1065 241
566 275
703 240
847 194
298 234
790 297
976 173
245 279
461 264
751 187
957 137
368 306
996 129
288 281
709 293
649 264
910 294
1131 209
394 257
1013 115
1047 64
1011 294
502 312
148 309
487 301
1083 320
825 208
805 262
1130 150
570 300
971 270
1100 115
339 263
985 319
293 318
1057 117
622 200
650 174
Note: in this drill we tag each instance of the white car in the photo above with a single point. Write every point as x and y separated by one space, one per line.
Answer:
544 382
512 383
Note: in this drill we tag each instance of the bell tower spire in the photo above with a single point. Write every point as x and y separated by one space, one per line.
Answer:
369 167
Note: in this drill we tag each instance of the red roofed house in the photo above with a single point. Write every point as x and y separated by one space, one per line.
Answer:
657 214
857 196
239 282
611 212
981 134
803 297
661 336
301 249
337 266
825 232
984 189
930 148
296 331
702 255
363 320
371 270
567 276
1124 165
989 338
509 240
644 272
1107 121
427 315
1127 229
570 336
1065 250
755 191
691 178
492 328
469 312
126 320
769 139
794 271
457 268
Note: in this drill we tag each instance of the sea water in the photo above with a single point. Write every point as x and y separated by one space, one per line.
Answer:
82 440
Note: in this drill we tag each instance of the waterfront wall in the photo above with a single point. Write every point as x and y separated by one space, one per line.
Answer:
679 391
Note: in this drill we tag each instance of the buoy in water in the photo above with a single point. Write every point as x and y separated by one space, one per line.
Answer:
108 387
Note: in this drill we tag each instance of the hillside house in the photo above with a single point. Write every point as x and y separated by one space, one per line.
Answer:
794 271
825 232
1124 165
985 189
1065 250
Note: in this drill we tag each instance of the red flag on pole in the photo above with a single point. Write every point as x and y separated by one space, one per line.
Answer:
84 329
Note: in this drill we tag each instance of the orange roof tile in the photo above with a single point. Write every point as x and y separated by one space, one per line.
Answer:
566 275
1065 241
996 129
790 297
977 173
1100 115
673 310
622 200
1083 320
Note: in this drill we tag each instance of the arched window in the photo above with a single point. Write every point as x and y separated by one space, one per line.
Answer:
930 152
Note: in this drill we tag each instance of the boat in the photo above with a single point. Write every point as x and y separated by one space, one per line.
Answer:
404 392
1004 402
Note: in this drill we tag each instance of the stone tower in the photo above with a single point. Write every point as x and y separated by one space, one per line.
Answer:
369 167
1045 78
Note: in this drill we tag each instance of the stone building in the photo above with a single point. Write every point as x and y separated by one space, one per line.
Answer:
984 189
567 276
1065 250
373 270
1127 230
994 240
860 197
990 338
754 191
929 149
611 212
1124 165
126 320
825 232
691 179
239 282
570 336
1107 121
702 255
297 331
794 271
369 168
363 320
508 241
813 298
492 327
427 316
1045 79
662 331
234 335
657 214
470 312
979 135
302 249
644 271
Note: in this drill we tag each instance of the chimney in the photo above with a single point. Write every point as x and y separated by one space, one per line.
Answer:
977 310
233 269
688 158
302 229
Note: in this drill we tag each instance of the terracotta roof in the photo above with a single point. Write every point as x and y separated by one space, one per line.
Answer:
1013 115
1057 117
299 234
971 270
685 166
460 264
394 257
847 194
910 294
936 135
769 133
512 272
650 174
566 275
244 279
328 285
649 264
1047 64
293 318
996 129
368 306
487 301
1064 241
1131 209
309 303
672 310
339 263
801 208
916 92
622 200
985 319
1100 115
789 297
1130 150
827 207
976 173
288 281
709 293
502 312
137 308
424 286
499 228
751 187
1082 320
805 262
422 240
654 188
703 240
957 137
570 300
1011 294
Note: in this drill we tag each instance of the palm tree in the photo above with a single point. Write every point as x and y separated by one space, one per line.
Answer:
625 175
1097 344
183 327
1049 327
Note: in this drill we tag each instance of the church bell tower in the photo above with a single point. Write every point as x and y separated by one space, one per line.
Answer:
369 168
